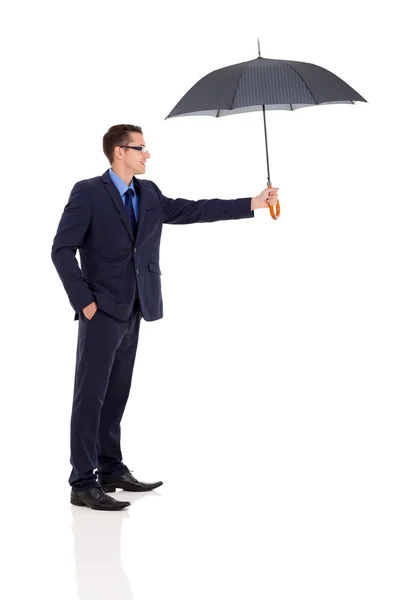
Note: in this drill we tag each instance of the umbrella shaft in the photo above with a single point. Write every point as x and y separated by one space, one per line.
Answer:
266 144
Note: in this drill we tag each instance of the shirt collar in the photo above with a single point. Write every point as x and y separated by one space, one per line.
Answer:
119 183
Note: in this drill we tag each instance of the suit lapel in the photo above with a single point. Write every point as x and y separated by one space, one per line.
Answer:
119 204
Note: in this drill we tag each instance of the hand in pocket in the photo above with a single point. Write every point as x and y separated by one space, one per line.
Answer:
90 310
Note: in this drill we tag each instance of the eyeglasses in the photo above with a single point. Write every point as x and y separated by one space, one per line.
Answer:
141 148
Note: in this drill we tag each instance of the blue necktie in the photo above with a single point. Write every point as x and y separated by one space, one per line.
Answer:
129 209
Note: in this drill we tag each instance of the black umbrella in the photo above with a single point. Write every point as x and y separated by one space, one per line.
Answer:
264 84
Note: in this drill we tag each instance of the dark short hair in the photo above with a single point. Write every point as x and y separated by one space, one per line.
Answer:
117 135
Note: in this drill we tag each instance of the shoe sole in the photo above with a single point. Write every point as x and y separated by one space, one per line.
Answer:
80 503
111 488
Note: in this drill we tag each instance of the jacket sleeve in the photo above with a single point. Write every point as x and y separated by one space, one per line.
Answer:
184 212
69 237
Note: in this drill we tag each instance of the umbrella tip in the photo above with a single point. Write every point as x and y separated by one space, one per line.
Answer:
258 42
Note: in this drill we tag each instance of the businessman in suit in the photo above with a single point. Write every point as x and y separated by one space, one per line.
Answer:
115 220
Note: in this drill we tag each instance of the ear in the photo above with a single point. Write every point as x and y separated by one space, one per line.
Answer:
117 153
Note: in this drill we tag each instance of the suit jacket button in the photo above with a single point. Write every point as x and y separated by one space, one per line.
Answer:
137 270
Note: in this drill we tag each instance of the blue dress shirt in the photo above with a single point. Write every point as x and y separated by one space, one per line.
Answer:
122 187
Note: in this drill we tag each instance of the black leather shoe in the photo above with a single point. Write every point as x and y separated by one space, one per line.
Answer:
96 498
125 482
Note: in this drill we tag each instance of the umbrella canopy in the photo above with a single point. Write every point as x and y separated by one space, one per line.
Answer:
264 84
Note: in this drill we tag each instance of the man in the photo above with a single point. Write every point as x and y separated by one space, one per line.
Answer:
116 222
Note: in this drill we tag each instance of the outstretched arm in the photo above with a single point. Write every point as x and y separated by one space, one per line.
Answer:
183 212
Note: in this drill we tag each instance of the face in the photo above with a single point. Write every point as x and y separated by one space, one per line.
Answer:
132 160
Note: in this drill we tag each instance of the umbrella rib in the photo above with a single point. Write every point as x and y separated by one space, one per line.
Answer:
237 85
302 81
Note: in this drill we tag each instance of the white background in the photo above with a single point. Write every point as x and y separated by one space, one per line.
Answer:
267 398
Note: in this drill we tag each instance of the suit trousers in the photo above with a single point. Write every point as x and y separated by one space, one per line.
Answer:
105 357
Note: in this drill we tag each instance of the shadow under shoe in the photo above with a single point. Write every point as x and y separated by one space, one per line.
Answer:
97 499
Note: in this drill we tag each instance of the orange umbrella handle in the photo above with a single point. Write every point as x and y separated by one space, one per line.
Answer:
275 213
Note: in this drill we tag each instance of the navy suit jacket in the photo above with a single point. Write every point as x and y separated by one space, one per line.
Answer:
114 264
